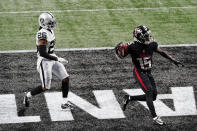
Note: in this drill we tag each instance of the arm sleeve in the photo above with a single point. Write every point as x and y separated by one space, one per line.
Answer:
155 46
130 47
43 53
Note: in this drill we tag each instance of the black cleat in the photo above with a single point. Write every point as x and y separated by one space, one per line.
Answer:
67 106
158 121
125 102
26 100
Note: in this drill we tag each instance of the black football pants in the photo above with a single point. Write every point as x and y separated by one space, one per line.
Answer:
147 84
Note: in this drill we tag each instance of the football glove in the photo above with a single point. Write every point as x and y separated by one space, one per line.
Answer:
62 60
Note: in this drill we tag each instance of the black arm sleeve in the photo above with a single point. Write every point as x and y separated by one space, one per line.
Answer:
130 47
43 53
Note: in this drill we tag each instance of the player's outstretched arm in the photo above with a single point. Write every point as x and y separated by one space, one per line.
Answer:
166 55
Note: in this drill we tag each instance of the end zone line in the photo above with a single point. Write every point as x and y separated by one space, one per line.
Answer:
97 10
92 49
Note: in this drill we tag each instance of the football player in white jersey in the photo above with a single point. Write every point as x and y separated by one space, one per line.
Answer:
48 62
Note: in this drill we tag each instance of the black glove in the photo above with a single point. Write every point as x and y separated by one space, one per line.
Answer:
178 63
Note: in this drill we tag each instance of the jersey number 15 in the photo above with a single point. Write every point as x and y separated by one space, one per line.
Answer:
145 62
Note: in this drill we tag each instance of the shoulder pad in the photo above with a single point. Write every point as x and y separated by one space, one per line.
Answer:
154 42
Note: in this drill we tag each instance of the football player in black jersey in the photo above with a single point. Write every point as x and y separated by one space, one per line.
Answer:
141 51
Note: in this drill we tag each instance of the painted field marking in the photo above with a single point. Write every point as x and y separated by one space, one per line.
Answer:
99 10
8 111
183 99
107 105
92 49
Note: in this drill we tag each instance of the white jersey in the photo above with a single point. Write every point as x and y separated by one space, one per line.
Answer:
48 35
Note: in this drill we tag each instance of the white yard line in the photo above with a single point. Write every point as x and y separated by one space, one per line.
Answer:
178 45
91 49
98 10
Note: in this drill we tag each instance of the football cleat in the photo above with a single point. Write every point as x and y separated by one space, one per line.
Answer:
125 102
26 100
157 120
67 106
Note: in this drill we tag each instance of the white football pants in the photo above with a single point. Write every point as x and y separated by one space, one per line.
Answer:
49 67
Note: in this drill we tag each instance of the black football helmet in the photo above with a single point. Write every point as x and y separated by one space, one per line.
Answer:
121 50
142 34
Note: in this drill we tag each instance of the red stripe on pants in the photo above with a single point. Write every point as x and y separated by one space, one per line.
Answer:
139 78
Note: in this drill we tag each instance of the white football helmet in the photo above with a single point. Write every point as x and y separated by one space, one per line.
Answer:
47 21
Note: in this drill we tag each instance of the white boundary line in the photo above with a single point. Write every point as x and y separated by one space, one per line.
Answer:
93 49
178 45
98 10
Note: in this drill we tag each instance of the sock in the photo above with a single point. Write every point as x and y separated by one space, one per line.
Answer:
29 94
37 90
65 100
65 88
149 102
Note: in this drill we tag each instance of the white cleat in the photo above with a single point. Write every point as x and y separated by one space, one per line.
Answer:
26 100
157 120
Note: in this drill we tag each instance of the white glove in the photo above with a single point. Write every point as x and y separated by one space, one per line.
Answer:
62 60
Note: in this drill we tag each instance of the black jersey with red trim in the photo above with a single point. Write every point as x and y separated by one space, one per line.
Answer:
142 54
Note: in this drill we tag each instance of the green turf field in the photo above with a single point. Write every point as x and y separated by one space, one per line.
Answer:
97 28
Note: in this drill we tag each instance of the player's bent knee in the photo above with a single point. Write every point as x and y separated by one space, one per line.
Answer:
65 82
65 79
149 94
44 88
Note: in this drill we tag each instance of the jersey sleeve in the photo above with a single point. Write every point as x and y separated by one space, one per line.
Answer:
130 47
154 46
